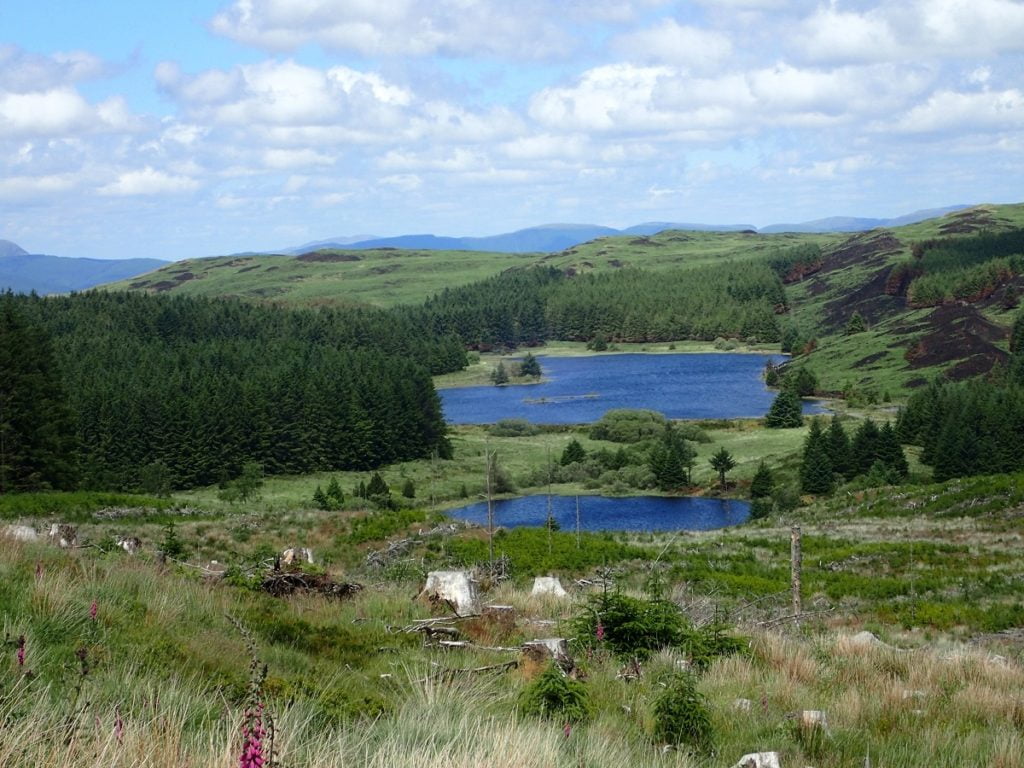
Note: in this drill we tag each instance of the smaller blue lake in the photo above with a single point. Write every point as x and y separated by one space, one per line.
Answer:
579 390
603 513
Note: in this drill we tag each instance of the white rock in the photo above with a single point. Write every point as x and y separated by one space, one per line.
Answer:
742 705
456 588
813 718
866 640
548 585
295 555
63 535
130 544
20 532
759 760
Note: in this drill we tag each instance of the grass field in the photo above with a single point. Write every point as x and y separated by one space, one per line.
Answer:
128 662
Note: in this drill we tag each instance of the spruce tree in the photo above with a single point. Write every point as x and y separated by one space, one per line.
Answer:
890 453
335 495
786 411
377 486
408 489
500 375
320 499
856 324
816 469
864 448
530 366
36 444
573 452
838 447
761 485
722 461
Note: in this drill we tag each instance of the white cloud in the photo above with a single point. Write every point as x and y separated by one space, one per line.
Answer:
964 113
399 27
672 43
148 181
285 93
24 72
922 29
615 97
404 182
287 159
23 188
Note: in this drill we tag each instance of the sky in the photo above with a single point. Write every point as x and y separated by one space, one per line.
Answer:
182 128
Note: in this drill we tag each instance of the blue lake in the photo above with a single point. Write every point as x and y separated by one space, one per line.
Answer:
580 389
603 513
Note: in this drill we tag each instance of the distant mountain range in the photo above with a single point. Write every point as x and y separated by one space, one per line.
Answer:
557 237
23 272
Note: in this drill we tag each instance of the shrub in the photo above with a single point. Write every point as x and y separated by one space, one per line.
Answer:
629 626
681 716
625 425
555 696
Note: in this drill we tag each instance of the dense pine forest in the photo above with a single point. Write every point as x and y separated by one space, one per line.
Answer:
740 300
99 390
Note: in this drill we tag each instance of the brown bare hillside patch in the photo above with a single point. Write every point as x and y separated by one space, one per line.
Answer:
870 300
965 222
959 332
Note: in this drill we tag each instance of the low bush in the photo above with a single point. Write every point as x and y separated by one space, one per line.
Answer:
555 696
682 717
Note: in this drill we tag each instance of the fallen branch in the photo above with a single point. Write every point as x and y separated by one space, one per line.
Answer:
447 674
795 617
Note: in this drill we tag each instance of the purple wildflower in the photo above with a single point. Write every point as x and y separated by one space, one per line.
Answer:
253 734
21 651
567 730
93 609
600 631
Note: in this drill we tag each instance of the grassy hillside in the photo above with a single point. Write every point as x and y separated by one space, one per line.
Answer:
902 347
125 661
385 277
380 277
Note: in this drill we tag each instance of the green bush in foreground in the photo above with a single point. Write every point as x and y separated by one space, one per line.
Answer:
681 716
555 696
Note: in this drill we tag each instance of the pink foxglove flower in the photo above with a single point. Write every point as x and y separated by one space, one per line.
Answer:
600 631
21 651
93 609
118 726
567 730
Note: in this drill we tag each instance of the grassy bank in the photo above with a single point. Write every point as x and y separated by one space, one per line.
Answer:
156 674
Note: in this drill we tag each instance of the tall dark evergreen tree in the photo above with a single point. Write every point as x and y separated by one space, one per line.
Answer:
36 430
573 453
864 448
722 462
890 453
838 447
816 470
761 485
530 366
786 411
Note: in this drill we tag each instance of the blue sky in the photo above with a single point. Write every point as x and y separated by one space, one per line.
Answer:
201 127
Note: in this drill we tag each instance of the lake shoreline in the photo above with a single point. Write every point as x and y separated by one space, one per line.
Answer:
479 374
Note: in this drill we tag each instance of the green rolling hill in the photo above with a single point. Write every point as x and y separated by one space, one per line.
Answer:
903 345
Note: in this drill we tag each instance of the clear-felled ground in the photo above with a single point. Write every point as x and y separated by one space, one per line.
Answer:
157 675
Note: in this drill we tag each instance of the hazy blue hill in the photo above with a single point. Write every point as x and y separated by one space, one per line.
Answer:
654 227
853 224
23 272
7 248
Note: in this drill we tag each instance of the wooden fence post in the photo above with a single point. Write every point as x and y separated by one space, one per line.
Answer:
796 558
